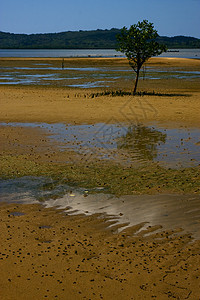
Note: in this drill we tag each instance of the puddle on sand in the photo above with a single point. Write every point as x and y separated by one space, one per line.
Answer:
16 214
101 83
21 190
26 78
91 75
173 148
171 211
92 69
159 73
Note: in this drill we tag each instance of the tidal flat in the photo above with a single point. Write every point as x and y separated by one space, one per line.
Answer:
97 143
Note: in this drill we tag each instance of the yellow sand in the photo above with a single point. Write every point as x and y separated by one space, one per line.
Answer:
48 255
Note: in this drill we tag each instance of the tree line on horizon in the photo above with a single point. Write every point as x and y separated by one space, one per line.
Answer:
93 39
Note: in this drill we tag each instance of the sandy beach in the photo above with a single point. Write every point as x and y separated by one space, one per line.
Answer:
49 254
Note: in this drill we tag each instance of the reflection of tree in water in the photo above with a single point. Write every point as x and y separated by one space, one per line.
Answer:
142 140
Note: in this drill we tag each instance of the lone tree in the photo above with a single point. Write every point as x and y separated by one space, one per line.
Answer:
139 43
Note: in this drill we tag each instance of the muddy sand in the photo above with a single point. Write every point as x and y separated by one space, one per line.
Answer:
49 254
46 254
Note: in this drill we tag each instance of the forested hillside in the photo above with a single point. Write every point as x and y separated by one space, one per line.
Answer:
94 39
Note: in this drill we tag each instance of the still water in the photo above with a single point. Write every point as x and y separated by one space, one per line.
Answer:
183 53
134 143
170 211
52 73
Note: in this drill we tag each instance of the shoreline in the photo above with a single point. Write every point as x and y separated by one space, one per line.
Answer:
153 60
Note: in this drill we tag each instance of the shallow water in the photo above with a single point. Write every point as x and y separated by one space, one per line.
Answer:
184 53
85 77
16 214
59 53
173 147
170 211
91 84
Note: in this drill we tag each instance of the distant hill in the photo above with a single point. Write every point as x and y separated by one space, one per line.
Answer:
93 39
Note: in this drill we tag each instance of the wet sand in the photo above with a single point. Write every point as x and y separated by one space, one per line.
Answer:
47 254
31 152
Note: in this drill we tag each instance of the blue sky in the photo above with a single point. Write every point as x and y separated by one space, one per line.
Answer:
170 17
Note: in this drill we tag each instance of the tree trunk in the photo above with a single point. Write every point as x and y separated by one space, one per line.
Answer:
136 81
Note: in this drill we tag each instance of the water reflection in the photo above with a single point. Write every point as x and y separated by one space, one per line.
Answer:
142 140
171 211
174 148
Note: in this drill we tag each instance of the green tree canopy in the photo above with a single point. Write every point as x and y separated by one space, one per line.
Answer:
139 43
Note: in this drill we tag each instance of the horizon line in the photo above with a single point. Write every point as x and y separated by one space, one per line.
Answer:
88 30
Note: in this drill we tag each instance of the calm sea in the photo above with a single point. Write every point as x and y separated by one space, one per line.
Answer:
182 53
